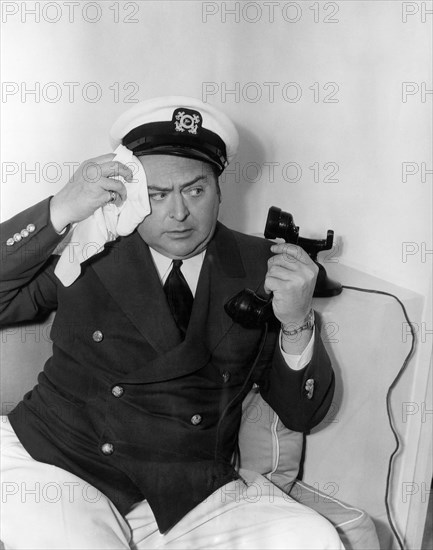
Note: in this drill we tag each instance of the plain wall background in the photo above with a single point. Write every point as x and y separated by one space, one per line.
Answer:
367 49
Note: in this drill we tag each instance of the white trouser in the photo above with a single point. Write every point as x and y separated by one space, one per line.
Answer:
45 507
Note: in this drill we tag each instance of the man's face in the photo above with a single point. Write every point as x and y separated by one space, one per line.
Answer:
184 198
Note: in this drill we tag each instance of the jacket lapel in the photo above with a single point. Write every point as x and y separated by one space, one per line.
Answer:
222 265
222 276
128 273
222 273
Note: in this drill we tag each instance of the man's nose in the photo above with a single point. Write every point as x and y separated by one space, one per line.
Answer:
179 208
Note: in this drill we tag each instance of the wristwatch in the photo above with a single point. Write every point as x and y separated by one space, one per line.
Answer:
308 324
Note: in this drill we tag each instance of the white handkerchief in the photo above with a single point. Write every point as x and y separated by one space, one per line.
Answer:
89 236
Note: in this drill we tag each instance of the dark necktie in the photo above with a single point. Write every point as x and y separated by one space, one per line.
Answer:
179 297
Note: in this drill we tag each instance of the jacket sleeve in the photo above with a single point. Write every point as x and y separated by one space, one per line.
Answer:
301 398
28 286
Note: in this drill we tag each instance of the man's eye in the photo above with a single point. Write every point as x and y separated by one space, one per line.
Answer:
195 191
157 196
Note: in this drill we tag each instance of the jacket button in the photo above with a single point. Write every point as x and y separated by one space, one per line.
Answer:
107 449
17 237
10 242
226 376
309 388
24 233
97 336
30 228
117 391
196 419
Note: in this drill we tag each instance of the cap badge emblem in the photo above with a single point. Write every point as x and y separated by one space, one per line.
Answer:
185 119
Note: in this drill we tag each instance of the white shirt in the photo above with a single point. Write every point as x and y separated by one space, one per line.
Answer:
191 271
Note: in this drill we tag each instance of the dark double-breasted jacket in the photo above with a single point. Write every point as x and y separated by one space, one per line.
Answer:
124 403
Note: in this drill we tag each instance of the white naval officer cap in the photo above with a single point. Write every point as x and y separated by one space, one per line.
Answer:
177 125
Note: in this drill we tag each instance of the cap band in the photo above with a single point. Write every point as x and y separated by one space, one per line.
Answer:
190 140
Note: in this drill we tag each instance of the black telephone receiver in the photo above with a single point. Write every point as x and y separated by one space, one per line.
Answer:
250 310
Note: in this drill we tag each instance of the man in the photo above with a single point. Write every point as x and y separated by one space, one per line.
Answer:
142 397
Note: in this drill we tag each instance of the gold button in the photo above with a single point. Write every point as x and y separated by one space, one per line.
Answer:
10 242
196 419
226 376
17 237
24 233
107 449
30 228
117 391
97 336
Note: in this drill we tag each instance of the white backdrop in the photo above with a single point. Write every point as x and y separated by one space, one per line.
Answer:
331 99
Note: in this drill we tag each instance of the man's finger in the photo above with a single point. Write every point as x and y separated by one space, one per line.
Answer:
282 273
273 284
116 169
113 198
111 184
287 262
293 260
291 251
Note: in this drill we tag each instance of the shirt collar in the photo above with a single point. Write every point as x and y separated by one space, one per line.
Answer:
190 267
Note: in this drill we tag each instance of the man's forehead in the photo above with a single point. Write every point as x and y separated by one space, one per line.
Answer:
174 167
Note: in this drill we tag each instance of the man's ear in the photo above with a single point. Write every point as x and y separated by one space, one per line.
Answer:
216 173
217 183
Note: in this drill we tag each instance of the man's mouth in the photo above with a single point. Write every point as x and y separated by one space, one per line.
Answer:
179 233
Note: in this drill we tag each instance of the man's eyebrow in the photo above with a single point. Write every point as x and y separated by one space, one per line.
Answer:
183 186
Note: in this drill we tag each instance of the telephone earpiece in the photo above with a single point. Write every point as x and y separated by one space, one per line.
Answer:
251 310
280 225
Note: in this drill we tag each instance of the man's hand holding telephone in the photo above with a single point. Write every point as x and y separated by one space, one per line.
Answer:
291 277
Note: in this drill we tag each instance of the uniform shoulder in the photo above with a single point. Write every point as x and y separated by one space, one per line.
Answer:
252 245
251 240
